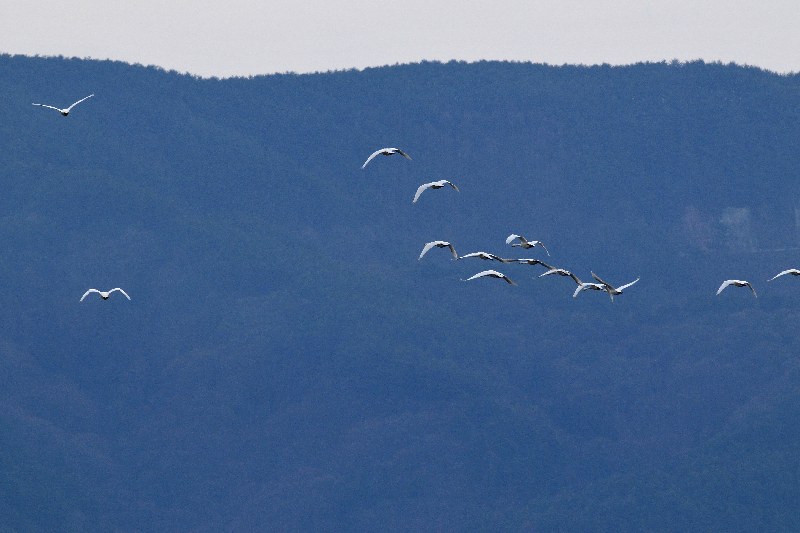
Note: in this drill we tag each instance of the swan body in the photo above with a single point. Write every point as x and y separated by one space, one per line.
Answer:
493 274
736 283
65 111
438 244
525 243
432 185
104 294
792 271
387 152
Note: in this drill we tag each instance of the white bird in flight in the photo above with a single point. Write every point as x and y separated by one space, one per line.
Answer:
613 291
736 283
486 256
493 274
562 272
66 111
104 295
792 271
384 151
525 243
432 185
439 244
591 286
535 262
582 286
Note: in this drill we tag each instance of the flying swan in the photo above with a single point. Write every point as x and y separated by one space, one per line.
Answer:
493 274
384 151
104 295
792 271
432 185
613 291
66 111
525 243
590 286
562 272
438 244
736 283
535 262
486 256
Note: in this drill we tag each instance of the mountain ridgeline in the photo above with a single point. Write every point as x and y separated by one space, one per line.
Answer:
287 363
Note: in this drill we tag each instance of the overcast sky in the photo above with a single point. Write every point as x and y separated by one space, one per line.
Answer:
241 37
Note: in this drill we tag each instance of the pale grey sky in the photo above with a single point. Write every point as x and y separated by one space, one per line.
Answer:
241 37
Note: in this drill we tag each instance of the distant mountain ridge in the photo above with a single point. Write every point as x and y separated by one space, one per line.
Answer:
286 362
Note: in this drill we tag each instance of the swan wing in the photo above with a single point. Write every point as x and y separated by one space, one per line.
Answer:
453 251
87 293
420 190
399 151
482 274
494 274
607 284
511 238
545 248
427 247
752 289
554 271
120 290
372 156
620 289
724 286
48 106
453 185
78 102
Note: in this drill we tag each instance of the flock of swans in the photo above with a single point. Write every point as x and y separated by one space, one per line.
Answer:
515 240
519 241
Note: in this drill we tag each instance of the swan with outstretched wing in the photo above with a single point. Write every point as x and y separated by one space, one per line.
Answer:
387 152
433 185
105 294
65 111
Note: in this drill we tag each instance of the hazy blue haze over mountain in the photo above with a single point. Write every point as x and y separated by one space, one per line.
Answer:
287 363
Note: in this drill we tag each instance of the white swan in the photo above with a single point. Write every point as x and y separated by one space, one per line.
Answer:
486 256
736 283
104 295
385 151
66 111
613 291
438 244
525 243
432 185
535 262
562 272
792 271
493 274
590 286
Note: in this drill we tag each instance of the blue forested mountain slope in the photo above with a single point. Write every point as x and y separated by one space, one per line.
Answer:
287 363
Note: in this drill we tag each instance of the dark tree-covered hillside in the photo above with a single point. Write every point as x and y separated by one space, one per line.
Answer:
286 362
